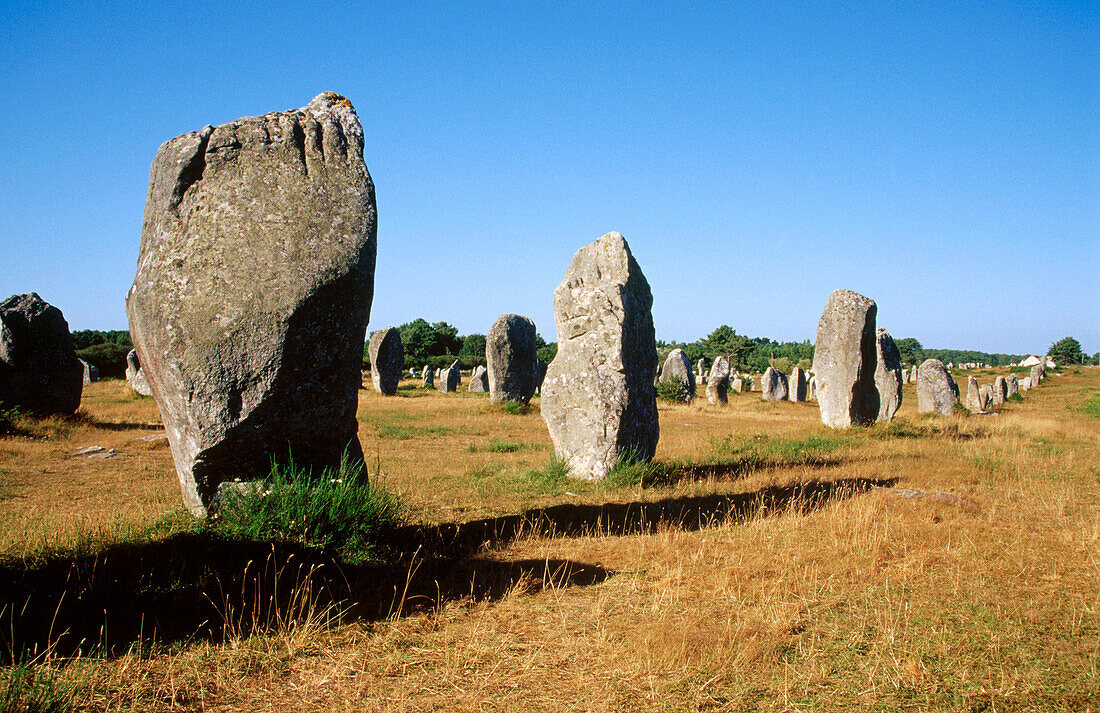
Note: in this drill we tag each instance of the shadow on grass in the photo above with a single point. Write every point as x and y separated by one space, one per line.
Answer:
202 585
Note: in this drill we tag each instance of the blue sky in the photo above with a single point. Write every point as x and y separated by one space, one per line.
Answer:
941 158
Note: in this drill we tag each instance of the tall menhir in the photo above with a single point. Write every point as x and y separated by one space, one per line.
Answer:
253 292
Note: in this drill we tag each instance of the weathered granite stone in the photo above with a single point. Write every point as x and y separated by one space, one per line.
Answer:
701 371
773 385
1000 391
737 386
135 375
887 375
427 377
39 370
599 399
936 390
448 379
510 356
253 292
718 381
479 380
1012 382
797 385
91 372
845 356
973 396
677 366
387 359
1036 375
985 392
1025 383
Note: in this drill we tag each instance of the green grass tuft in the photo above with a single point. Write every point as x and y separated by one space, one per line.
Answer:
403 432
548 479
516 408
496 445
32 687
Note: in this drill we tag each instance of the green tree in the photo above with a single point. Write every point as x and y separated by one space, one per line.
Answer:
472 351
422 341
1066 351
910 350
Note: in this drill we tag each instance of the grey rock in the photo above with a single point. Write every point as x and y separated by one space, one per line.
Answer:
701 371
39 370
1025 383
1037 373
936 390
449 379
91 372
677 366
479 380
974 401
985 392
797 385
845 356
598 399
773 385
887 375
510 359
1000 391
427 377
811 389
718 381
737 386
387 359
1012 383
135 377
253 292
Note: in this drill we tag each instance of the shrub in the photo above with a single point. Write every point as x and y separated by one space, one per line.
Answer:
336 509
672 390
109 358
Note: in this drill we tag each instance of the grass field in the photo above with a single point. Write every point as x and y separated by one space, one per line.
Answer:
764 563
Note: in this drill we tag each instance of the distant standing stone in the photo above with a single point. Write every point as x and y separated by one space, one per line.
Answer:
1012 382
448 378
936 390
540 374
737 385
427 378
677 366
1000 391
887 375
39 370
773 385
797 385
1036 375
701 371
973 396
1025 383
986 394
91 372
479 380
845 356
510 357
387 359
598 399
135 377
718 381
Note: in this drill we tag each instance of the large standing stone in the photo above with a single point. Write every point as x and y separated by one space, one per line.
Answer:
718 381
1036 375
1000 391
599 400
449 378
845 357
677 367
427 377
253 291
773 385
479 380
974 402
39 370
91 372
986 394
887 375
135 375
936 390
387 359
510 357
797 385
1012 383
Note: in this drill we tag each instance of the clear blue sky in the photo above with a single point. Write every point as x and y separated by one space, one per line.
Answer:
941 158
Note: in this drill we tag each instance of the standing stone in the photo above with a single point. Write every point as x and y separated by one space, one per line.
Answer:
1012 382
387 359
540 374
91 372
1000 391
449 379
39 370
718 382
1036 375
845 356
973 396
737 385
253 291
797 385
773 385
599 400
510 356
427 378
887 375
677 366
135 376
986 394
1025 383
701 371
936 390
479 380
812 388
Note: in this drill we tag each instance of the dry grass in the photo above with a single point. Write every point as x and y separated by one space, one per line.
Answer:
755 579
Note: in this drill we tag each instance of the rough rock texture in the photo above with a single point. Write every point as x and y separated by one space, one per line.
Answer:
677 366
701 371
1037 374
1013 385
427 377
1025 383
253 291
598 399
510 356
387 359
91 372
936 390
797 385
449 378
39 370
887 375
135 376
985 392
1000 391
973 396
845 356
718 381
737 385
479 380
773 385
811 389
